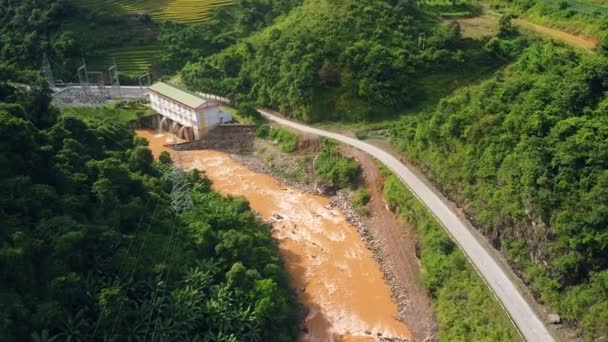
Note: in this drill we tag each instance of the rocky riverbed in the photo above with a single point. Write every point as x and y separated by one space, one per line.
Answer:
342 200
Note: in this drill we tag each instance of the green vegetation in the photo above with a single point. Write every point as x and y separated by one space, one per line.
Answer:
525 154
36 19
586 17
521 148
190 43
452 8
286 140
336 169
92 250
465 307
344 60
103 38
361 197
181 11
132 60
121 112
149 35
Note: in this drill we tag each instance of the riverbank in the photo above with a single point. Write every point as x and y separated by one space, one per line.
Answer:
392 243
334 274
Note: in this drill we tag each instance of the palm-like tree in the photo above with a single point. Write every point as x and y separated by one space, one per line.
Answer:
44 336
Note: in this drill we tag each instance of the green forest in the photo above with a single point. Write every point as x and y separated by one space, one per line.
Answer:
526 154
344 60
512 128
92 248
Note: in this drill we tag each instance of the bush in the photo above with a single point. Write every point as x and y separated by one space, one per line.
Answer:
247 109
336 169
505 26
287 141
165 158
362 135
262 131
361 197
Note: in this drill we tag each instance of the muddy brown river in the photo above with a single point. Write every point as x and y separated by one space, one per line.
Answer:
334 274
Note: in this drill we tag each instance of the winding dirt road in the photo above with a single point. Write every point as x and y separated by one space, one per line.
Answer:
521 312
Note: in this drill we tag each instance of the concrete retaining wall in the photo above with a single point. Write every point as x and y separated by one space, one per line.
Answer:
236 138
149 122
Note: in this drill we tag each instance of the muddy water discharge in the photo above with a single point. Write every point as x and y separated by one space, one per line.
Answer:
335 275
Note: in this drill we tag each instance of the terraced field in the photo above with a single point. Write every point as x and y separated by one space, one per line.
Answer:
137 51
183 11
132 61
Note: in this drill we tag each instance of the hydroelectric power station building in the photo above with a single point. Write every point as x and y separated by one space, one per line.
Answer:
183 113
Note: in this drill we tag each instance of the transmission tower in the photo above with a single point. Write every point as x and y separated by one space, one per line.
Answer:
101 83
47 71
83 78
144 80
181 198
421 40
114 79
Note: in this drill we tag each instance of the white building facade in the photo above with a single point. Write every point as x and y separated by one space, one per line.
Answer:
185 108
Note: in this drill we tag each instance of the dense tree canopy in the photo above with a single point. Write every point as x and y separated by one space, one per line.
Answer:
90 248
526 154
227 25
344 59
26 28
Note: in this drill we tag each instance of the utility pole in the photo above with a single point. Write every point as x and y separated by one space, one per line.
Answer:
114 78
83 78
144 80
47 71
101 84
421 40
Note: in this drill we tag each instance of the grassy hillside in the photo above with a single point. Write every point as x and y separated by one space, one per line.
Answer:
525 154
122 112
448 10
465 307
586 17
131 60
158 36
103 37
181 11
342 60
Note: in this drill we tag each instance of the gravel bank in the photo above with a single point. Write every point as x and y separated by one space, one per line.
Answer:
341 200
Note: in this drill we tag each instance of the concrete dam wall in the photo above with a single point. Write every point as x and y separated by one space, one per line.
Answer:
236 138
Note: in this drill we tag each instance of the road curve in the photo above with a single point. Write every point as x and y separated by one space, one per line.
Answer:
526 320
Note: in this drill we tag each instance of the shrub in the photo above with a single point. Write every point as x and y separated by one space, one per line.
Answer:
335 168
262 131
361 197
287 141
505 26
247 109
165 158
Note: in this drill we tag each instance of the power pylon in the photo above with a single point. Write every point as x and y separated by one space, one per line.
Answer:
144 80
421 40
47 71
83 78
181 198
114 78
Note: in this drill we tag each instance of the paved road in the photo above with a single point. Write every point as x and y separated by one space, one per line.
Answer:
524 317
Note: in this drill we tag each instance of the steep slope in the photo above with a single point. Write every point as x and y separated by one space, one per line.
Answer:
526 155
335 60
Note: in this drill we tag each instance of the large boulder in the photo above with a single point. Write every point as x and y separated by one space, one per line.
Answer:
554 318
